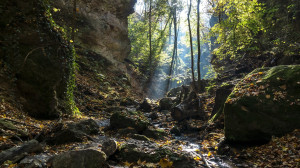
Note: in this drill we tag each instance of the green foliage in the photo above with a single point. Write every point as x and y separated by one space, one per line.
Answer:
238 31
248 28
139 34
70 105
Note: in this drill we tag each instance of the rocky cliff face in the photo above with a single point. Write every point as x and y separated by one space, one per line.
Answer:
37 54
102 26
36 58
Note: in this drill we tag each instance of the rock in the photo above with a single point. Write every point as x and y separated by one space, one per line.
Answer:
18 152
109 147
153 116
72 132
265 103
31 162
35 161
8 125
133 151
155 133
146 105
189 108
126 119
221 95
42 84
166 103
176 131
88 126
90 158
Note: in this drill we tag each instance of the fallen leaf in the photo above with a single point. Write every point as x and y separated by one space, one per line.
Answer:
165 163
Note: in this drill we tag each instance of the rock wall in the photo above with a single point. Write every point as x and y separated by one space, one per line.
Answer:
39 59
102 26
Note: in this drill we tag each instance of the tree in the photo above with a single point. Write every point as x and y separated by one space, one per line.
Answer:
199 45
150 35
174 55
191 43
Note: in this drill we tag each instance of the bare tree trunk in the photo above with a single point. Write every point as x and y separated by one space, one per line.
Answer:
199 45
191 43
150 36
174 50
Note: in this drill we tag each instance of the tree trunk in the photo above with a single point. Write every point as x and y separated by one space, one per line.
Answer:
150 36
174 50
191 43
199 45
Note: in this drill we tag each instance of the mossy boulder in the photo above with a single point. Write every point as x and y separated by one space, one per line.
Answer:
129 119
265 103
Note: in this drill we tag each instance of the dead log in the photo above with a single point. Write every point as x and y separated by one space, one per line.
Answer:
16 153
191 107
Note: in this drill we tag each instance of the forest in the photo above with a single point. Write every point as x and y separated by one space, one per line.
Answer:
149 83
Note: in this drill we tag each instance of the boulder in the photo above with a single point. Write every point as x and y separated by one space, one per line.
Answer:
72 132
154 116
129 119
146 105
31 162
109 147
90 158
166 103
221 95
133 151
8 125
18 152
265 103
191 107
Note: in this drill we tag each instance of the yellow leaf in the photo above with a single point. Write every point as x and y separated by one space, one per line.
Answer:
268 96
260 73
71 41
56 10
216 148
197 158
209 154
127 164
165 163
139 162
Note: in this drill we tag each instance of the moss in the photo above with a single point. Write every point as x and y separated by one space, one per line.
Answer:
274 111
